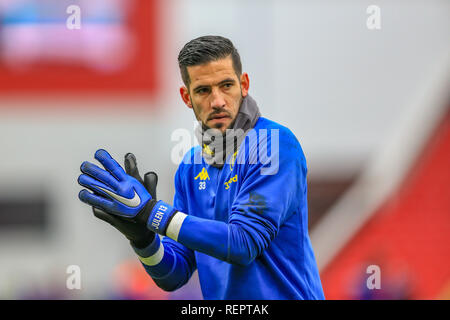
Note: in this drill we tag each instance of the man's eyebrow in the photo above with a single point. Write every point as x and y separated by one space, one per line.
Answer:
227 80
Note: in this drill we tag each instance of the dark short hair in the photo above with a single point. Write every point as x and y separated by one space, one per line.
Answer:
206 49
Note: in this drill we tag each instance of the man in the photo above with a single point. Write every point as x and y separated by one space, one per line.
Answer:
239 216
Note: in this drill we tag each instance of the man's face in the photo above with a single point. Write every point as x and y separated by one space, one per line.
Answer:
215 93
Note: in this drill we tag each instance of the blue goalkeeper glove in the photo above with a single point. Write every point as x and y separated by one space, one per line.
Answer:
120 194
138 234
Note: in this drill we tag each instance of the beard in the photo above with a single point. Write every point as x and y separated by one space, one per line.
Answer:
217 126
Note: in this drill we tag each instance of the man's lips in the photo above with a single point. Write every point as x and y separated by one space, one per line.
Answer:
219 116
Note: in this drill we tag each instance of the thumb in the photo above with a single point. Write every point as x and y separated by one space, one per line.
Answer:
131 167
150 183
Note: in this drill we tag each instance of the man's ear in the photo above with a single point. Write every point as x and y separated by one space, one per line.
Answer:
184 92
245 84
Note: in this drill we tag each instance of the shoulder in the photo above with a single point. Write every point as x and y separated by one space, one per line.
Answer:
284 132
270 146
278 137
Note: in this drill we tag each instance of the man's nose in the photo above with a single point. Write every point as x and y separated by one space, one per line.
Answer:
217 100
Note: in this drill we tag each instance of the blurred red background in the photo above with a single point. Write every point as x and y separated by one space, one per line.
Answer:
61 73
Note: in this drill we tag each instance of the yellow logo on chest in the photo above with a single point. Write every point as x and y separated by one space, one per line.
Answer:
203 175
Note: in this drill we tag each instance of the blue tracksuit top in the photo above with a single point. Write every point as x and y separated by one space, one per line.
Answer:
247 225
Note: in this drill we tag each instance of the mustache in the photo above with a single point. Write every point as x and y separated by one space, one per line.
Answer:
213 114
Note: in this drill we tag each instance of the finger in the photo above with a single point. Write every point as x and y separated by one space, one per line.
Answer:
110 164
131 167
93 184
95 200
99 174
150 183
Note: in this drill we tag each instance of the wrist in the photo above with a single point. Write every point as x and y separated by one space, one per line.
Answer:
175 224
160 216
144 214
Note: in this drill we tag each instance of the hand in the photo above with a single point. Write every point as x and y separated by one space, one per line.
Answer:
134 230
113 190
120 194
138 234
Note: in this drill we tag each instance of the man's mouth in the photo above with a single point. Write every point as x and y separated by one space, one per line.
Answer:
220 116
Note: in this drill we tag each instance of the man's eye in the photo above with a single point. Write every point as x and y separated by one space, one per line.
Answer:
228 85
203 90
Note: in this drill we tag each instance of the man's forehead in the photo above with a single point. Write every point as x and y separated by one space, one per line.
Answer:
212 71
